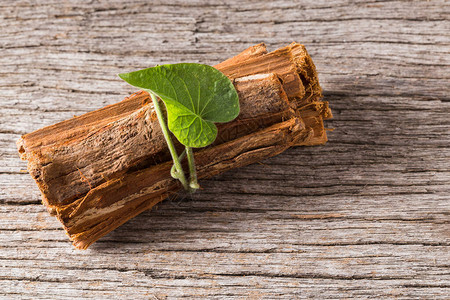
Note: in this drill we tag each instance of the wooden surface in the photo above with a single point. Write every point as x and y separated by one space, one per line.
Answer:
366 215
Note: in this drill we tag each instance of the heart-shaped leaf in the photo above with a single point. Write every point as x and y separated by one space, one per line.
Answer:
196 97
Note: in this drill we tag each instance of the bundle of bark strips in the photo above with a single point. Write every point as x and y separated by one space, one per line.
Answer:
98 170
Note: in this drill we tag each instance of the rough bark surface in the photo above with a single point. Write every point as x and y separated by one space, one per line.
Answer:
366 216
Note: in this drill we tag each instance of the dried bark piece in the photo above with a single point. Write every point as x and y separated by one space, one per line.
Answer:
280 62
251 52
80 126
313 115
307 72
104 200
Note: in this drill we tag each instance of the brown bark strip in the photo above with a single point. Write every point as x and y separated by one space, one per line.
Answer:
280 62
307 72
251 52
78 127
313 115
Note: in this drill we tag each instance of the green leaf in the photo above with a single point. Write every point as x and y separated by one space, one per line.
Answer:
196 96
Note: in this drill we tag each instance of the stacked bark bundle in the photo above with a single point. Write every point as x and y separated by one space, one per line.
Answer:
99 170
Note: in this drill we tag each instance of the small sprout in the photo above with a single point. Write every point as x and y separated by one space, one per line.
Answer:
196 96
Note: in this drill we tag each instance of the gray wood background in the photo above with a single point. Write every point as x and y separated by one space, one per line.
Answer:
366 215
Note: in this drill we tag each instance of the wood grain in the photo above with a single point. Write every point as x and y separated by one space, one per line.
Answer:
366 216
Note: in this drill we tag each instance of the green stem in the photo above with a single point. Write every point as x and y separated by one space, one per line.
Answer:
180 173
173 170
193 173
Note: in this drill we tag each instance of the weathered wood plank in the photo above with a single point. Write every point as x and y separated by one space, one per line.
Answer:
366 216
